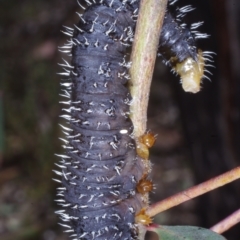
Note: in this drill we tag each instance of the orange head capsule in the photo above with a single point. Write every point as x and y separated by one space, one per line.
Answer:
144 185
148 139
143 218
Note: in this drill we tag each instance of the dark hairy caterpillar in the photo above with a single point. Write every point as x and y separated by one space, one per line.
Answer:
178 48
103 179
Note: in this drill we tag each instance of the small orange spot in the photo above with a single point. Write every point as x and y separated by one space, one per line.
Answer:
144 185
142 150
143 218
148 139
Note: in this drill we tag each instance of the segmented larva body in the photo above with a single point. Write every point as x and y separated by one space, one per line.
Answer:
101 169
103 178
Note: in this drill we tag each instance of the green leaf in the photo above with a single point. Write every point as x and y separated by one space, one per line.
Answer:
184 233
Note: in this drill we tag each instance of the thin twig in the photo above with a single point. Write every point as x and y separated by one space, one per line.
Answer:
143 57
194 192
227 223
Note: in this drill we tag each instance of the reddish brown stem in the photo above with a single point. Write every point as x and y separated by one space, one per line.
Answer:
194 192
227 223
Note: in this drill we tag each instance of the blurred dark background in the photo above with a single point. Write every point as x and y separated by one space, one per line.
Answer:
198 134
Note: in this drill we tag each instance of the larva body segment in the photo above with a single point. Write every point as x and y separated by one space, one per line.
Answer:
176 42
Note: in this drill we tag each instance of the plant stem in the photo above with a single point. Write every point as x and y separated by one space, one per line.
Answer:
193 192
144 51
227 223
143 57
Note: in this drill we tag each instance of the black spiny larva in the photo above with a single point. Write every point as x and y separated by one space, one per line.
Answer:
178 48
100 169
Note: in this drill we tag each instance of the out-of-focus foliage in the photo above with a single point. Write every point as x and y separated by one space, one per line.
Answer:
29 89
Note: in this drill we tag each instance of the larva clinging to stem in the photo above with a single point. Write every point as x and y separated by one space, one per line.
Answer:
178 48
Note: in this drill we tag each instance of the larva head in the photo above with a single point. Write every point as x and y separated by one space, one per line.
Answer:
191 72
